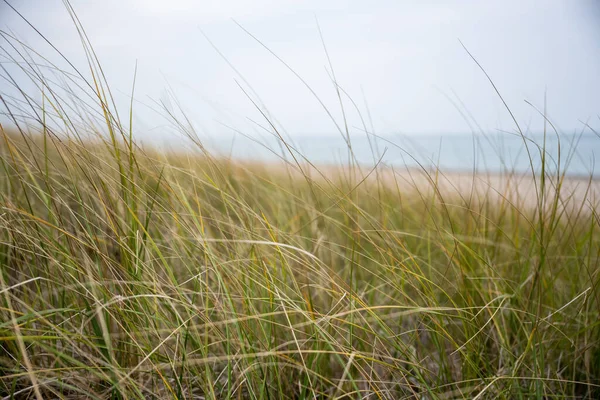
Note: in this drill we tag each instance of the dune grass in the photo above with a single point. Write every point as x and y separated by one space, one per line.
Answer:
130 273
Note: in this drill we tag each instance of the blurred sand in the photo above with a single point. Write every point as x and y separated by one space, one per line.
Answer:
518 189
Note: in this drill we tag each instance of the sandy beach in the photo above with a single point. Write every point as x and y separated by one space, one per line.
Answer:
518 189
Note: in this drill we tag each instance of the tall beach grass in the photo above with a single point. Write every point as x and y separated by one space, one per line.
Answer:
133 273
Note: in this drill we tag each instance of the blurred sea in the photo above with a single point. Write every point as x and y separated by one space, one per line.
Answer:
459 152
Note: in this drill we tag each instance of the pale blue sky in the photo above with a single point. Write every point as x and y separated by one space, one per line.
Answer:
405 57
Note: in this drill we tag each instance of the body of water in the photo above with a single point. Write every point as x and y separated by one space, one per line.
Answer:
494 153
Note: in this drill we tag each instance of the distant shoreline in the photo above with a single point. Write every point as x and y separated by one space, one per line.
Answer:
493 154
515 187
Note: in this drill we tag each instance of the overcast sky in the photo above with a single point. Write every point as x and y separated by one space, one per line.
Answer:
401 58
